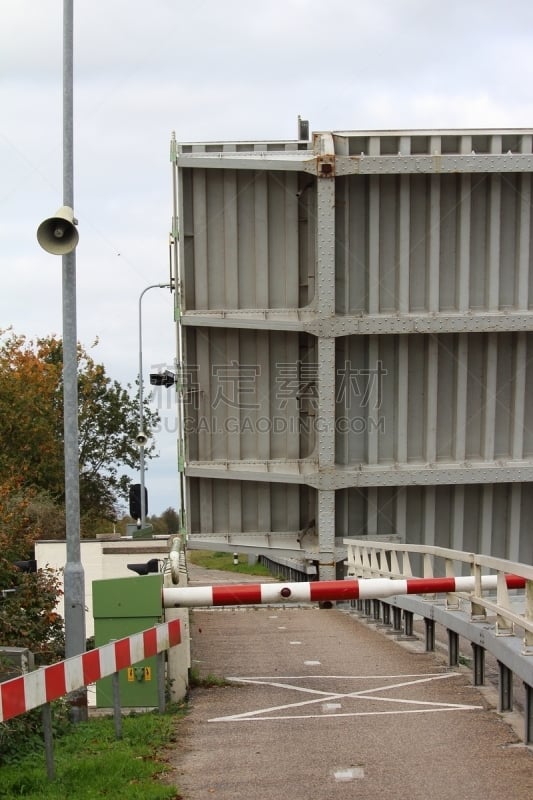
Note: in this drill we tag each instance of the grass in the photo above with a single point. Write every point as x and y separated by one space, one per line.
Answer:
215 560
91 763
208 682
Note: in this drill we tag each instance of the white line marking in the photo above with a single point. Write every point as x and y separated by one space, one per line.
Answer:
328 697
343 677
349 774
344 714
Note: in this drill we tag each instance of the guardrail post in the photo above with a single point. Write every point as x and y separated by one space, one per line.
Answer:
430 634
479 664
46 713
117 712
408 617
528 715
453 648
396 619
505 687
161 682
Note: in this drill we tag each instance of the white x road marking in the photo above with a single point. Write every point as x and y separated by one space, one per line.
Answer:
320 696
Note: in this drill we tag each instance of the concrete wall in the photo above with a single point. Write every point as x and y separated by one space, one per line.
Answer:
101 559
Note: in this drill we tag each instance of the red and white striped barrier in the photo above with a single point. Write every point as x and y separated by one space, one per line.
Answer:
321 591
36 688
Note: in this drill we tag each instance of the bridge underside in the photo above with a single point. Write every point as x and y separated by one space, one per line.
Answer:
355 341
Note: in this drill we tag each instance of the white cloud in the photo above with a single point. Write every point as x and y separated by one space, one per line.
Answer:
210 71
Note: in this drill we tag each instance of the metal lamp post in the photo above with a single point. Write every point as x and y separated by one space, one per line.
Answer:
74 576
58 235
141 435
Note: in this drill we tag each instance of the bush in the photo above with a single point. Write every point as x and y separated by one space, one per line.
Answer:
24 735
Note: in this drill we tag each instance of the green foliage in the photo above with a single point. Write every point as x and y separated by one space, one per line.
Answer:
90 763
31 435
23 735
224 561
165 524
171 521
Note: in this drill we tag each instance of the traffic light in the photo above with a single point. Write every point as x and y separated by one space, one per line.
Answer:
166 378
135 501
26 566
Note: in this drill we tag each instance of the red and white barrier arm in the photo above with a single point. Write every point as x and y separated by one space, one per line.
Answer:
49 683
323 591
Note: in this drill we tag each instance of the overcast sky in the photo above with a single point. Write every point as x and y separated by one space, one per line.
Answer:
209 71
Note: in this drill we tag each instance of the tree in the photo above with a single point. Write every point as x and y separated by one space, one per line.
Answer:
165 524
171 520
31 435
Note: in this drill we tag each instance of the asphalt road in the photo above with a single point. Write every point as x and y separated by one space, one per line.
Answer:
317 704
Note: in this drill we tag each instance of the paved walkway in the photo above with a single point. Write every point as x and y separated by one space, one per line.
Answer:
320 705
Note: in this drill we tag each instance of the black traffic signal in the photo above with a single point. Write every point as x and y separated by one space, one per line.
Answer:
166 378
26 566
135 501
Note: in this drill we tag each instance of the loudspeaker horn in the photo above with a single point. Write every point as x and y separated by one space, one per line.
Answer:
141 438
58 234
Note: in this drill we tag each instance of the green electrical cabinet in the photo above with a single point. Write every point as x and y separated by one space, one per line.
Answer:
122 606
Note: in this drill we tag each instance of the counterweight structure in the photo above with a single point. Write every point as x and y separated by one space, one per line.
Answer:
355 338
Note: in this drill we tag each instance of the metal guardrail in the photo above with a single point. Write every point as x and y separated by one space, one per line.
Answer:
394 560
497 621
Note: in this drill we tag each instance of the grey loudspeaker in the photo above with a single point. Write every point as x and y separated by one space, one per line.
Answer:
141 438
58 234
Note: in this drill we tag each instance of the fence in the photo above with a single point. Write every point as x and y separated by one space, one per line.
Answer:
41 687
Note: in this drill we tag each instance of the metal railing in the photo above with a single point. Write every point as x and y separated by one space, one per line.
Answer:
499 621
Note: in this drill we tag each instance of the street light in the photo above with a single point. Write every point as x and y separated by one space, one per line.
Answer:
141 437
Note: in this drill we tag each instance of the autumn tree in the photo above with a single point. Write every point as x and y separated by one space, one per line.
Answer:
28 616
31 434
